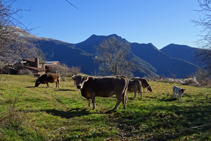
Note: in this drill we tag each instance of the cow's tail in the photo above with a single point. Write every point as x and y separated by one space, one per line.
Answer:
58 80
124 92
140 88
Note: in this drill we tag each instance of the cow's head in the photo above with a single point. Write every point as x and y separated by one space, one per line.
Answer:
79 80
181 91
37 83
149 88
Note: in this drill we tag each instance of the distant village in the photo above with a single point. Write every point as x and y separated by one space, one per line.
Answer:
35 65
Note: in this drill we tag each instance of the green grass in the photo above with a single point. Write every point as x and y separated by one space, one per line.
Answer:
29 113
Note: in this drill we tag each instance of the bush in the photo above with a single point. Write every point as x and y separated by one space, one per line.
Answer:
203 77
74 70
191 81
61 69
24 72
186 81
64 70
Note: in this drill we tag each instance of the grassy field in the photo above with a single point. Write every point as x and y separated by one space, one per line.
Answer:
51 114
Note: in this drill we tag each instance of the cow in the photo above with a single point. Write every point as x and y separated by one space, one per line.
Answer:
135 86
178 91
92 87
46 78
144 83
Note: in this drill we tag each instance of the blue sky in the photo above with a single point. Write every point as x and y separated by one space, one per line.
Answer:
159 22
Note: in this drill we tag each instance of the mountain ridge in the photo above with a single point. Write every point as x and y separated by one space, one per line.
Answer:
151 61
183 52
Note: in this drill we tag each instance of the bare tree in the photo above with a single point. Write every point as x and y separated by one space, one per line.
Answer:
113 56
74 70
203 55
61 69
13 42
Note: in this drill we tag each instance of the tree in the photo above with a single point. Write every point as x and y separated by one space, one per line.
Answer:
13 43
113 56
203 55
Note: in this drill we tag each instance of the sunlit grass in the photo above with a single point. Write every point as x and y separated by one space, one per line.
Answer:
29 113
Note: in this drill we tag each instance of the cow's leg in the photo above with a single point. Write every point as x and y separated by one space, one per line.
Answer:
89 102
58 83
180 96
134 94
140 91
119 99
124 99
175 95
47 85
93 100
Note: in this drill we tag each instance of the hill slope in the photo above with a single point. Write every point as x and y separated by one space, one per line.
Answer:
143 67
164 64
181 52
150 61
66 53
161 63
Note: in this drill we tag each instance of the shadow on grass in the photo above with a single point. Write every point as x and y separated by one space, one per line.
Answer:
30 87
169 99
65 90
167 122
77 112
57 89
68 114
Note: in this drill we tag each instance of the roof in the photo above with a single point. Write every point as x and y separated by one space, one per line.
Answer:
33 60
35 68
51 62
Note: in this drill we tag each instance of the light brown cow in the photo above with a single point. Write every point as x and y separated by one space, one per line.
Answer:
46 78
144 83
135 86
103 87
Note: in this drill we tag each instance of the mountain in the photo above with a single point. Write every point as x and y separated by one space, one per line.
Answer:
150 61
143 68
77 55
89 44
164 64
66 53
183 52
157 61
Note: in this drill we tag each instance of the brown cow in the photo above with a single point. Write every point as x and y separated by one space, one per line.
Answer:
144 83
46 78
103 87
135 86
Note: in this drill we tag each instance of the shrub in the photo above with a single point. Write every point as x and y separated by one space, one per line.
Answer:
74 70
203 77
24 72
191 81
61 69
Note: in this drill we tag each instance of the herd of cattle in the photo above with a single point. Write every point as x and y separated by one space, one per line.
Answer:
105 86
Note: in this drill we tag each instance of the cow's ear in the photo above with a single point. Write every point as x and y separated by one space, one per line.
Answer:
85 78
73 77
